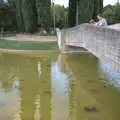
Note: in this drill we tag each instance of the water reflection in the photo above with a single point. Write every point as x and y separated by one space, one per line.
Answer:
49 86
88 97
60 98
34 85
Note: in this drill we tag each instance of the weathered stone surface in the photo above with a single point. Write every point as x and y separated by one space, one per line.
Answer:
104 43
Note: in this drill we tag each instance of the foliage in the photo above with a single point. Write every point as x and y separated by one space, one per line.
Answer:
109 13
61 15
117 14
19 16
29 15
98 7
72 13
44 13
7 17
85 9
112 13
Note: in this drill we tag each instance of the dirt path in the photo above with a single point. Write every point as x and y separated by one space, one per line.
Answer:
24 51
36 38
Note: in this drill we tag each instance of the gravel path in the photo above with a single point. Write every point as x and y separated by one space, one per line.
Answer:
36 38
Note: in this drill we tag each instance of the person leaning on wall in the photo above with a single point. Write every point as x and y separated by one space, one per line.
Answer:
101 21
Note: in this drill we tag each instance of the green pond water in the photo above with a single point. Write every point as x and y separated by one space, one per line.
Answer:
50 86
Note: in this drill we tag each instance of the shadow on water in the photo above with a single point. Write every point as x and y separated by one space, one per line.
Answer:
49 86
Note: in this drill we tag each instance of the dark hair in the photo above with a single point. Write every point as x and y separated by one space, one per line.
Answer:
101 15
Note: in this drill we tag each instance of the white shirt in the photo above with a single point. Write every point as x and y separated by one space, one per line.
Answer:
102 22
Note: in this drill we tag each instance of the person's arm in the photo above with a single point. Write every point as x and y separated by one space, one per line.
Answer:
102 22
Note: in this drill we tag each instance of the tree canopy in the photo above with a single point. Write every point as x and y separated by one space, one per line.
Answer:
72 13
29 15
61 15
112 13
32 13
7 17
84 10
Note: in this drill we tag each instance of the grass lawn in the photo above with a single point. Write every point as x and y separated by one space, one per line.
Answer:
18 45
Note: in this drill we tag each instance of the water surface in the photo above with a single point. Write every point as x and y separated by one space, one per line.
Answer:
49 86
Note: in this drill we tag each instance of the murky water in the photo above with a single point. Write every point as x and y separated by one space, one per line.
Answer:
49 86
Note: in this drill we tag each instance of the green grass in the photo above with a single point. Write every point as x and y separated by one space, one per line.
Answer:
18 45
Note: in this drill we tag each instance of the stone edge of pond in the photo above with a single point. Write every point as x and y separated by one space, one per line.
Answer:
25 51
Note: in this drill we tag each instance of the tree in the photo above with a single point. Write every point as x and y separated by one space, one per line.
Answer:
85 9
29 15
32 13
112 13
117 13
19 16
44 13
109 13
72 13
7 17
98 7
61 15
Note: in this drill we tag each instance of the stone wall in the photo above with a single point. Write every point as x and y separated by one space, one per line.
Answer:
104 43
